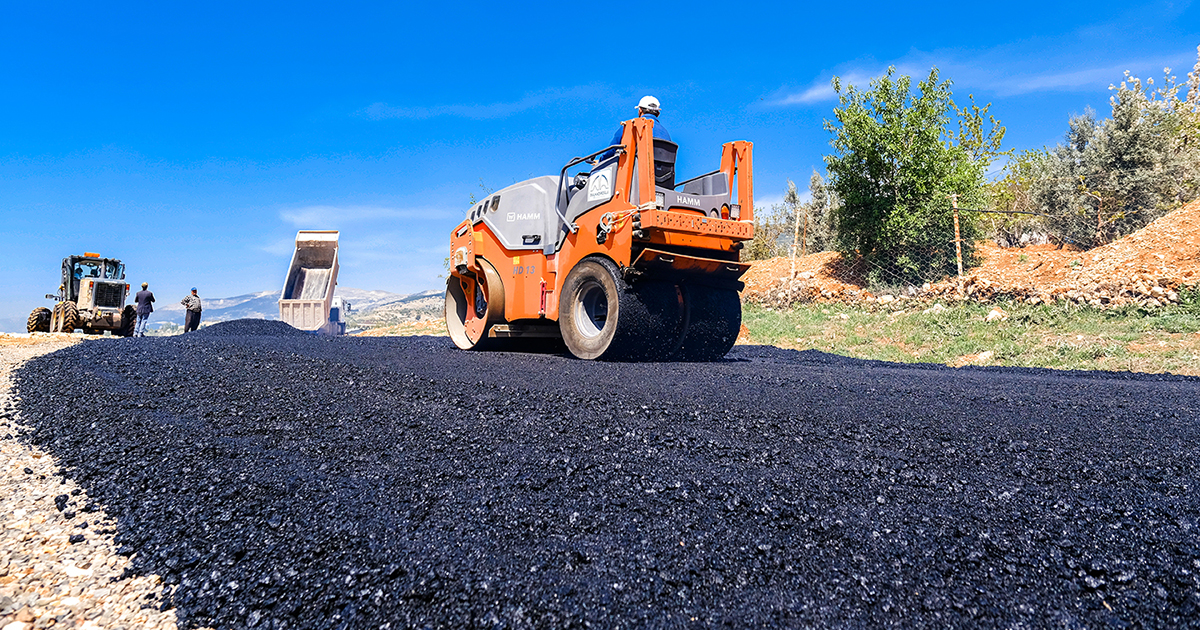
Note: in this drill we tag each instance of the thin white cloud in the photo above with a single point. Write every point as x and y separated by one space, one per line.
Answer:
1005 70
764 202
483 111
821 89
332 217
817 93
767 201
1087 78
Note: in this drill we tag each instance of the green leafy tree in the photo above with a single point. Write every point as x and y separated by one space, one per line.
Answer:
895 164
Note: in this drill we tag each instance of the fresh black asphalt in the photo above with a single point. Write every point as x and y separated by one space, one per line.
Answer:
282 480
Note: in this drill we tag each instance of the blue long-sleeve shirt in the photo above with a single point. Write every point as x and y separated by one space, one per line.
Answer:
660 131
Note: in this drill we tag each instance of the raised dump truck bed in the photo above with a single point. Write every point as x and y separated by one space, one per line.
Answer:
308 291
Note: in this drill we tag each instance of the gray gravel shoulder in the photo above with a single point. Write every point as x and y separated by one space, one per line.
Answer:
59 566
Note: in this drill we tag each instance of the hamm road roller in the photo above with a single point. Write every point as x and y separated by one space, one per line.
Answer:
617 260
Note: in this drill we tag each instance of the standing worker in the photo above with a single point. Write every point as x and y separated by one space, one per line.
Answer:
145 306
191 306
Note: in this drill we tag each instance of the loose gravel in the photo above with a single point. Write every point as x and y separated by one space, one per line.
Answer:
296 481
58 564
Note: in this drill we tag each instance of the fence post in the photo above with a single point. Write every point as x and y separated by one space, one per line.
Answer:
957 242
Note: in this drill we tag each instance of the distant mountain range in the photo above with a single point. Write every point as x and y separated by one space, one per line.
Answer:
368 309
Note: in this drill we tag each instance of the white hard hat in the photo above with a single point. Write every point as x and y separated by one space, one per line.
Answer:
649 103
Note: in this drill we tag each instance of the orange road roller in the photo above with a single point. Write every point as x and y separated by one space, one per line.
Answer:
611 257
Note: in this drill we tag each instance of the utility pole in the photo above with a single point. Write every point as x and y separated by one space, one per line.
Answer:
795 227
957 242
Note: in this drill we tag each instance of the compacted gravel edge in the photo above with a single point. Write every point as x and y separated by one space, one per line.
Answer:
59 566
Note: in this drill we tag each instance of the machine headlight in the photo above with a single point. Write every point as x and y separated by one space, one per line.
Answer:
735 211
660 199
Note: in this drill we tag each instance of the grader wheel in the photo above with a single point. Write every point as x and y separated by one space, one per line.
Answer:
39 320
128 321
64 318
70 318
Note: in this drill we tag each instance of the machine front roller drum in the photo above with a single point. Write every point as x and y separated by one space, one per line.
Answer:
714 319
473 305
603 317
39 320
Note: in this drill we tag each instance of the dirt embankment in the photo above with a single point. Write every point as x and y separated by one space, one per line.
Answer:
1146 268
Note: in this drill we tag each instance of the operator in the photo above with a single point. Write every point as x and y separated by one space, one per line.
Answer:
145 306
648 107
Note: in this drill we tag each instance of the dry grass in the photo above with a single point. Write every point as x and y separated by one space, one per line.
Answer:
1164 340
435 327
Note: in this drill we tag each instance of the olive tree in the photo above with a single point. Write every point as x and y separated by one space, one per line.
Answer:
1112 177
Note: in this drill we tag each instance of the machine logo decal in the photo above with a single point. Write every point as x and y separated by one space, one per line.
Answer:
523 216
691 201
600 186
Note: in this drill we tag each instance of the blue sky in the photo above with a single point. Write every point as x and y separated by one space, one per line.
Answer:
193 142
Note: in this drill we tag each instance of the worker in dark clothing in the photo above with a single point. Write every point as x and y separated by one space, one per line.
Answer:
145 305
191 310
648 107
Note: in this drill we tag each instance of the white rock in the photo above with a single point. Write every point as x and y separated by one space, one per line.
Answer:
886 299
936 308
74 571
996 314
807 275
17 625
985 357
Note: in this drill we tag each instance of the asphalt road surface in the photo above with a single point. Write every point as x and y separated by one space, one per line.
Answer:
280 480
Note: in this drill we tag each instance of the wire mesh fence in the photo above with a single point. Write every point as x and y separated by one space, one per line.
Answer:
1154 266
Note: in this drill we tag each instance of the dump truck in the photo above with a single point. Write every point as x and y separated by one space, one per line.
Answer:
307 301
616 260
91 297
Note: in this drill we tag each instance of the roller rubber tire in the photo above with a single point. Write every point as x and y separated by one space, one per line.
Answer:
128 321
603 317
713 320
39 320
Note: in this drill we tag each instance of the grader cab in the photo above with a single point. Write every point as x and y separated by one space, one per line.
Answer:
618 261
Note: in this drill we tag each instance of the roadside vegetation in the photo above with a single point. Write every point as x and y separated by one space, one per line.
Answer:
1049 336
900 148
